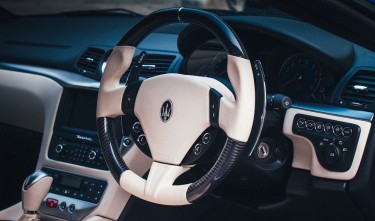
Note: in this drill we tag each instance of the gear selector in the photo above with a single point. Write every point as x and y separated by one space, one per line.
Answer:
34 189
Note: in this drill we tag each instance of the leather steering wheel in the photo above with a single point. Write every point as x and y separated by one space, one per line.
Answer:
175 110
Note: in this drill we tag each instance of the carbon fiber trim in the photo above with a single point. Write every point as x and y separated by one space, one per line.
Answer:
227 159
110 147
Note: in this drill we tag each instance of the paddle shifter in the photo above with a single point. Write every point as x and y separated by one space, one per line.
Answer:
34 189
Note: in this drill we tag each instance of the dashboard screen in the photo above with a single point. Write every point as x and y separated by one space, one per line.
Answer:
72 182
83 114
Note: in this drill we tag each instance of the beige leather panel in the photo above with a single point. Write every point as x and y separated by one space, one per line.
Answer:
169 142
110 91
236 117
304 152
12 213
158 187
97 218
27 100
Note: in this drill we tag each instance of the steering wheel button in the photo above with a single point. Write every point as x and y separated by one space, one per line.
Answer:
142 139
206 138
137 128
197 149
310 124
328 128
319 126
337 130
347 132
301 123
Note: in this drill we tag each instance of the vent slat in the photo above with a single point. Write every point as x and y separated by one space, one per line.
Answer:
161 62
363 78
89 60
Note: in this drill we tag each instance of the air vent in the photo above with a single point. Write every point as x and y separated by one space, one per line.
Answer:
360 91
155 64
89 61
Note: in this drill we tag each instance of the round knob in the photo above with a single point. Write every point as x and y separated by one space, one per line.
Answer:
59 148
92 155
331 155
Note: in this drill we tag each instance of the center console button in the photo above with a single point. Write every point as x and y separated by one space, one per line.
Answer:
337 130
59 148
328 128
62 206
310 124
92 155
71 208
319 126
301 123
52 203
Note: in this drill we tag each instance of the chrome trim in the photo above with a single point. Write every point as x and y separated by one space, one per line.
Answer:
149 66
178 14
335 111
360 88
33 178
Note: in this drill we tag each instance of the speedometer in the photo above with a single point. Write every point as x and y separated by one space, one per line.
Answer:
299 76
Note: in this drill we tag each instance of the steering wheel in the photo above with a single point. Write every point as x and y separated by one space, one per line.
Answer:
174 111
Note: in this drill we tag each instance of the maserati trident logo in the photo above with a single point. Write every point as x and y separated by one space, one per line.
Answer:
166 111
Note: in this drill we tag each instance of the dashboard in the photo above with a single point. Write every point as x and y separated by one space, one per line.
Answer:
324 75
289 71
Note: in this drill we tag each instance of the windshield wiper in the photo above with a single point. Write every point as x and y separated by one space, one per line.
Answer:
103 12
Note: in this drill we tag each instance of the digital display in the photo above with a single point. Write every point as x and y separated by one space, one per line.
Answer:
83 115
72 182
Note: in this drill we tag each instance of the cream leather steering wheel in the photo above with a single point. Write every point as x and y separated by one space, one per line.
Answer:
174 110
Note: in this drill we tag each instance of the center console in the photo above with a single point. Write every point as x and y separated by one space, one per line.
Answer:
71 196
74 141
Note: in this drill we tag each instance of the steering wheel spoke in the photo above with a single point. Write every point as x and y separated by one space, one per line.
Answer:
158 187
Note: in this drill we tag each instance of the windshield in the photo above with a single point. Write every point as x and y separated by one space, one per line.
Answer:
144 7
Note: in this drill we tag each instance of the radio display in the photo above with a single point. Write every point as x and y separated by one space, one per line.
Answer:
72 182
83 114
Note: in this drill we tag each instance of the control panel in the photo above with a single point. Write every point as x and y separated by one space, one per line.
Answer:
77 149
335 142
72 196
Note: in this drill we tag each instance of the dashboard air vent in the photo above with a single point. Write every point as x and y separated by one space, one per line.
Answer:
155 64
89 61
360 91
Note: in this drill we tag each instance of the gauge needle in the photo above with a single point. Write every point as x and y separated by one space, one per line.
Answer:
291 80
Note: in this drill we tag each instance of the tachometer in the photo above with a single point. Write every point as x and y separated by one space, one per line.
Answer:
299 76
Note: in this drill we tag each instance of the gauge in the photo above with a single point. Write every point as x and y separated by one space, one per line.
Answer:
204 71
299 76
219 64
